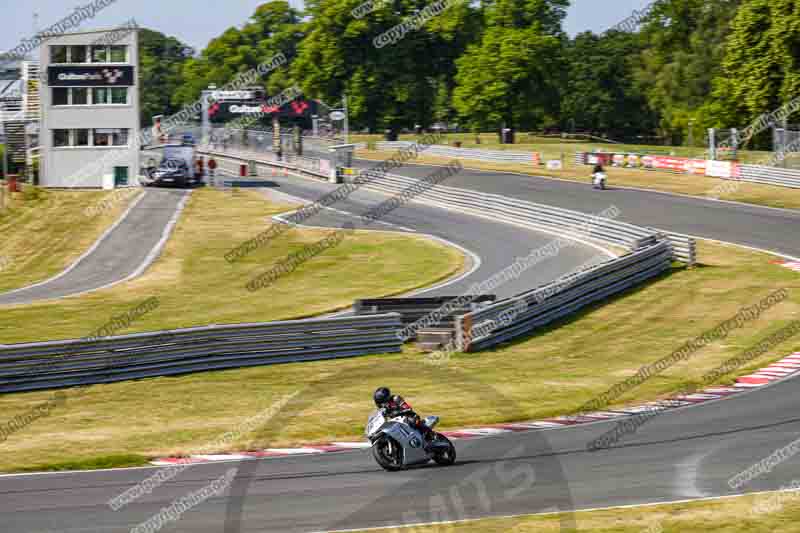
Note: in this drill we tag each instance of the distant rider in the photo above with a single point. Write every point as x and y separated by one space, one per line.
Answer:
597 168
394 406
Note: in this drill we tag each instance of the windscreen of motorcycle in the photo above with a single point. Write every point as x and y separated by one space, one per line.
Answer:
374 423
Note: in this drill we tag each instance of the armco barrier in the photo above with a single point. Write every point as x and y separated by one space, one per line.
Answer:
509 319
530 158
684 248
770 176
56 364
563 222
413 309
650 254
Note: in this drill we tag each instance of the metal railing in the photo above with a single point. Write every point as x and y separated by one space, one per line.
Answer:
522 314
413 309
531 158
56 364
564 222
780 177
651 253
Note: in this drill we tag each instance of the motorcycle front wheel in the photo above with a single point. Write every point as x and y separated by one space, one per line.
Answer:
387 454
445 456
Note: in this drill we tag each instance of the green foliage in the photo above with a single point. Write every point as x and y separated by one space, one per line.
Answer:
683 45
161 60
600 94
512 75
393 86
761 69
274 27
704 62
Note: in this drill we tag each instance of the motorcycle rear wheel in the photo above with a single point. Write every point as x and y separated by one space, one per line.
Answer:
391 463
447 456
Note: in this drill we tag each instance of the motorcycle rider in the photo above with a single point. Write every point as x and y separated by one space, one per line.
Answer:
598 169
394 405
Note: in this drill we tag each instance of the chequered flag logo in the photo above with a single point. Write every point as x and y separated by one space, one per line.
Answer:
112 76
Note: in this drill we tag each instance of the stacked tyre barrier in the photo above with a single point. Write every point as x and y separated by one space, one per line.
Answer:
57 364
523 314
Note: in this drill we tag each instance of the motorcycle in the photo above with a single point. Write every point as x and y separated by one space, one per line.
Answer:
599 180
396 445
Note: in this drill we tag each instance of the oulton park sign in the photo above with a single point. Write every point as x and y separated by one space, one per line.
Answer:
112 76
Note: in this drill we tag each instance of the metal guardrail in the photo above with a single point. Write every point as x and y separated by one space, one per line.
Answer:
651 254
56 364
526 312
781 177
413 309
314 167
530 158
545 218
684 248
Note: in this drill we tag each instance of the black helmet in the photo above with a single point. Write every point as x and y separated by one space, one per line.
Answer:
381 396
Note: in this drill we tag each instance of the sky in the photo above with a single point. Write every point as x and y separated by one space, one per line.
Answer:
195 22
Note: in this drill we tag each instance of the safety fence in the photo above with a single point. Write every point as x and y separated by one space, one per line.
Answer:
413 309
522 314
56 364
647 254
781 177
501 156
684 248
600 228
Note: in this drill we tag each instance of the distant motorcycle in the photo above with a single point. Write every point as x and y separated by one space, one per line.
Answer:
396 445
599 180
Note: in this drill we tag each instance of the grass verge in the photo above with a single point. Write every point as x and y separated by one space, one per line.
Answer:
553 372
196 286
756 513
700 186
43 231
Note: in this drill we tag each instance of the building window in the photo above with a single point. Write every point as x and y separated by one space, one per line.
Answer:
85 137
58 54
102 137
77 54
100 95
119 137
99 54
60 138
119 53
81 137
80 96
60 96
119 95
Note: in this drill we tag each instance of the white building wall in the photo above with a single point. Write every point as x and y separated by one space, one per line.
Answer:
81 167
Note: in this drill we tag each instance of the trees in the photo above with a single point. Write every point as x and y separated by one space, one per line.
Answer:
394 86
511 76
599 93
161 60
274 27
761 69
683 46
